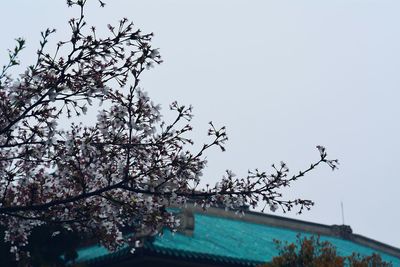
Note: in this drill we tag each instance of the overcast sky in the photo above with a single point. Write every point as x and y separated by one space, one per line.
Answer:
283 77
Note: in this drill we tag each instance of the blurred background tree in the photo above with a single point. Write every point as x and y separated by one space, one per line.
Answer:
312 252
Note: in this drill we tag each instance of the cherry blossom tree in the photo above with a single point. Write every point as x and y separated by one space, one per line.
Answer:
125 169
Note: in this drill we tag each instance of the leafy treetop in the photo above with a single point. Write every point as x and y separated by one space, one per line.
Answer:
312 252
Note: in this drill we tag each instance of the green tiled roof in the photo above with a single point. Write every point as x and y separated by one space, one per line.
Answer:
223 239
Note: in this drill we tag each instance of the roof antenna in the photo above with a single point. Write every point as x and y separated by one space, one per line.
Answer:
341 204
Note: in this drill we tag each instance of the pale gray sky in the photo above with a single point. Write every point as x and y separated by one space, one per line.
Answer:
283 76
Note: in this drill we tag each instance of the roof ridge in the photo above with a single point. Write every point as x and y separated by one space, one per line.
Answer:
337 231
